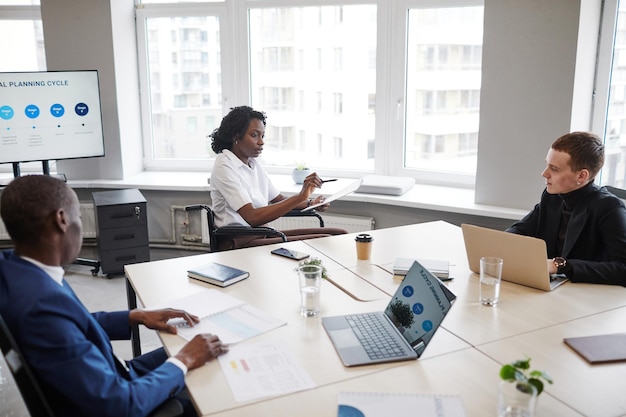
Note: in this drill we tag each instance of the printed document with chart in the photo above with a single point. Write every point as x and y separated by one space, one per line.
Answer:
231 319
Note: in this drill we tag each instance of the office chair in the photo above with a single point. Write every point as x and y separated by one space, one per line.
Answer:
619 192
216 234
29 388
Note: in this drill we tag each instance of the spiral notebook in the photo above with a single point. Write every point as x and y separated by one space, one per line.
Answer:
382 404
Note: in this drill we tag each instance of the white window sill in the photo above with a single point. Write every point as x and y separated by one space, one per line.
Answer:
425 197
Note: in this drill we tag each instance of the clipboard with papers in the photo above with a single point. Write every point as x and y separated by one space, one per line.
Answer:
341 193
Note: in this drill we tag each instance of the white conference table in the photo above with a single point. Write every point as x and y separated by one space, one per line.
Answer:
463 358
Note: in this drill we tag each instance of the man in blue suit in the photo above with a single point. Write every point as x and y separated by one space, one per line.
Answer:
69 348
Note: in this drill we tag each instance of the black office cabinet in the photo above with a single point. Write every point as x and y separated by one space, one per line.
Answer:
121 219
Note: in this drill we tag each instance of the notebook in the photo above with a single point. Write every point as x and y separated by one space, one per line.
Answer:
439 268
402 331
525 257
217 274
599 348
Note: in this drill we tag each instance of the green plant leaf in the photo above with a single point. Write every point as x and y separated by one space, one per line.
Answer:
517 371
507 372
537 384
522 364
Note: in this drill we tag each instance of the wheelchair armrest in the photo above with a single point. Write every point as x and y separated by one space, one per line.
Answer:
246 231
308 213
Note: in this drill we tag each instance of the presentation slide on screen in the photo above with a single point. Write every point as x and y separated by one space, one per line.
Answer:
50 115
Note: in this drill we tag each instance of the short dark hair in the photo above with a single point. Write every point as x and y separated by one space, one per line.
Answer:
234 125
28 201
585 149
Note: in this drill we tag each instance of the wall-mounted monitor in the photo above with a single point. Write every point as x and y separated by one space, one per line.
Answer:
49 116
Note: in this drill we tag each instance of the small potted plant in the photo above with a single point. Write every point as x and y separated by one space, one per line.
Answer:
300 172
315 261
520 387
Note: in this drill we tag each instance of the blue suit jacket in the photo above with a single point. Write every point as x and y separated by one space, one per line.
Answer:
69 348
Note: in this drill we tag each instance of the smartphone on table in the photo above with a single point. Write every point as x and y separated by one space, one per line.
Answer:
291 254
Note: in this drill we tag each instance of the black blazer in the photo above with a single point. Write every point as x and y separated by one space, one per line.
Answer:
595 240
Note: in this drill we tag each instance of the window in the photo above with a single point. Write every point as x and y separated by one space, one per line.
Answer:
614 171
23 48
315 70
170 120
443 88
341 40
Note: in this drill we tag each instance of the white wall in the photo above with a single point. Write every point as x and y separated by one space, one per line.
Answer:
529 79
91 34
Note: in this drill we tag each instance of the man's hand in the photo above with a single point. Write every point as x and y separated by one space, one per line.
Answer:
201 349
552 269
157 319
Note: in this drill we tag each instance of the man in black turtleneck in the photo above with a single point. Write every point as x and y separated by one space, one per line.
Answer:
583 225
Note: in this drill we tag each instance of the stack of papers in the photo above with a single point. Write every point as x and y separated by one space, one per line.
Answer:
439 268
227 317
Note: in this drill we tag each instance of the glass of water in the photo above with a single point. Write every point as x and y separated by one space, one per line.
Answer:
310 277
490 277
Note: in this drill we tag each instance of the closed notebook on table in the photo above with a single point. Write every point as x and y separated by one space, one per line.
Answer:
599 348
439 268
217 274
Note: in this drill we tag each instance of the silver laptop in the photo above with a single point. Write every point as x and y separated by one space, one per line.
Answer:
402 331
525 257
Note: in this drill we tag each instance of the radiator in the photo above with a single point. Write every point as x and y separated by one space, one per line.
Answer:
88 217
352 224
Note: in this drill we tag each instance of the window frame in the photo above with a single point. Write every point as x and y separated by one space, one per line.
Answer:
391 64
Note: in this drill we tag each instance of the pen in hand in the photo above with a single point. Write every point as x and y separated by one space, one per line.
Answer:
334 179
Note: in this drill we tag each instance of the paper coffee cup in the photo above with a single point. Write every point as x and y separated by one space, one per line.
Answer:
363 246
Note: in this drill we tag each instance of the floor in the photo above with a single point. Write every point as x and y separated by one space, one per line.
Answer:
98 294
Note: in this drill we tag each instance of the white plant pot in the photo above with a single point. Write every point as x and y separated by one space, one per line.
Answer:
299 175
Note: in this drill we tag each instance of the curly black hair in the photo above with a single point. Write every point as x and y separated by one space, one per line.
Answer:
234 125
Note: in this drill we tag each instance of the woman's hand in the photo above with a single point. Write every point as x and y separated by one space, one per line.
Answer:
318 200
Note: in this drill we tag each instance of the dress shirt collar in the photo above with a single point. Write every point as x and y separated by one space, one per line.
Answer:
55 272
230 155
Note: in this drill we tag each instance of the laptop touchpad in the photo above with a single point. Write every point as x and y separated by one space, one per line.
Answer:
344 338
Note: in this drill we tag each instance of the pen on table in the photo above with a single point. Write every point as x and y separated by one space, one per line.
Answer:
334 179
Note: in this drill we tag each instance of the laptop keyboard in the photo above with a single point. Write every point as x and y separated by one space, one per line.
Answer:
372 331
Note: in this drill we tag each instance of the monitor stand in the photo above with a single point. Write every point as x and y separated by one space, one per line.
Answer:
45 167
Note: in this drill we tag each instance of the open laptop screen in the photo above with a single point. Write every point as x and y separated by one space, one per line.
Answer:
419 306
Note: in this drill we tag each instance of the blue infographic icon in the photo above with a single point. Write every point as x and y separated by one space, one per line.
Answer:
57 110
408 291
6 112
427 325
81 109
349 411
31 111
418 308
